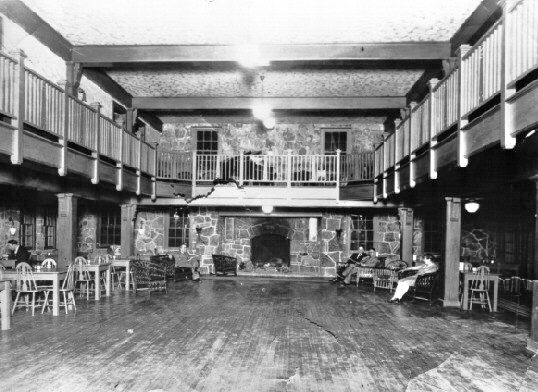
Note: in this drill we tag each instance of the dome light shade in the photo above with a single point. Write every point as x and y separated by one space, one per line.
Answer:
267 209
472 207
269 122
261 111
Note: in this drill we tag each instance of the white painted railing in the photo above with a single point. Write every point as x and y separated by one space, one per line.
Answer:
246 168
378 160
522 31
357 167
110 138
420 124
445 96
481 69
82 125
45 110
8 72
174 165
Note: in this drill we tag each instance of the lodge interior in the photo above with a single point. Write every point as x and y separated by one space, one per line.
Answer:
274 141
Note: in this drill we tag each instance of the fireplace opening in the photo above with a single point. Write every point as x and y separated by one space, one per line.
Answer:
270 249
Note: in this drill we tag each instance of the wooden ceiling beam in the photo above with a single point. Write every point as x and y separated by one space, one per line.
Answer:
108 55
32 23
277 103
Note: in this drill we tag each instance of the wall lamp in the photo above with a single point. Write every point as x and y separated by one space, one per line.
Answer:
472 206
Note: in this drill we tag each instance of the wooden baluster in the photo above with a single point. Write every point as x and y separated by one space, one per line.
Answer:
288 169
338 152
508 113
193 174
119 163
97 147
64 137
19 107
462 121
430 130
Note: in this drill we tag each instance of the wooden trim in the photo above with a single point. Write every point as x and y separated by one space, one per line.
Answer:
19 109
276 103
108 55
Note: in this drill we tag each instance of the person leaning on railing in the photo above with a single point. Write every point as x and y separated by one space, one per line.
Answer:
406 283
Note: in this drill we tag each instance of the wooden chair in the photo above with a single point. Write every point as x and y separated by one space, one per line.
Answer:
479 288
102 277
26 285
82 277
48 263
67 290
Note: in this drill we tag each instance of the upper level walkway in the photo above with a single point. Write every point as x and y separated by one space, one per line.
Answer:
42 124
488 98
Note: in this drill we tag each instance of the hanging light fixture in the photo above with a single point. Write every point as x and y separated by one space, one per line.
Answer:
267 208
471 207
263 111
176 215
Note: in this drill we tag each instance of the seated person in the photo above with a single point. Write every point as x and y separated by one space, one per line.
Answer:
17 252
346 268
405 283
370 260
184 260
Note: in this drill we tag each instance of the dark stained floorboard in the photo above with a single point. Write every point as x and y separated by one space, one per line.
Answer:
241 334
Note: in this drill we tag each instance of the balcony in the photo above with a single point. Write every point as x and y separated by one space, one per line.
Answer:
42 124
488 98
287 176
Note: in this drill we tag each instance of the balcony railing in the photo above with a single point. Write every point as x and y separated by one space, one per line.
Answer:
48 108
285 169
507 53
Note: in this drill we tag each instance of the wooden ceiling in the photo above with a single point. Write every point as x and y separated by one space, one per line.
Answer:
164 55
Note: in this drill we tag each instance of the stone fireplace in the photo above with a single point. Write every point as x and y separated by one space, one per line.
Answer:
269 248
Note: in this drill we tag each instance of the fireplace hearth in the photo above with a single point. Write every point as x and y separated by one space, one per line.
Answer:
270 249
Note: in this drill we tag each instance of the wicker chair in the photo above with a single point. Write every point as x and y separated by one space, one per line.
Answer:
149 276
225 264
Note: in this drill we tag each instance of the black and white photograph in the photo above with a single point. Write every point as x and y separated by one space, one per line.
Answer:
268 195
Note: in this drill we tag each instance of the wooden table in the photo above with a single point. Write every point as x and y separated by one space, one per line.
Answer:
54 275
468 276
124 263
5 299
96 269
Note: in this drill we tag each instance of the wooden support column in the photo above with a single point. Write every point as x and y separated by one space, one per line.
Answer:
128 214
532 343
463 161
66 228
20 103
73 74
95 154
535 178
406 235
119 165
452 251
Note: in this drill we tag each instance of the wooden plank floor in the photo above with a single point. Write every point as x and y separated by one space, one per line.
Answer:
242 334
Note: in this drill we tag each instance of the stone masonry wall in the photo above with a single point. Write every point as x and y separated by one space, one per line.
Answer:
387 236
302 135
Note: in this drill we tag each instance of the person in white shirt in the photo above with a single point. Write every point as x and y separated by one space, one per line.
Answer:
405 283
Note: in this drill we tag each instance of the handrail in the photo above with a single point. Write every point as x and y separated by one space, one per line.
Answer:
296 169
45 109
